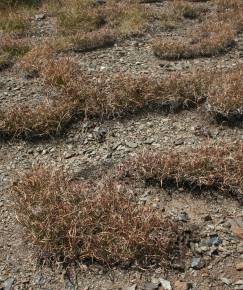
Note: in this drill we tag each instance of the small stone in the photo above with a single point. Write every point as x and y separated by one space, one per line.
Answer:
7 285
151 286
69 155
197 263
179 142
165 284
100 2
40 17
179 285
214 241
183 217
239 282
239 266
226 280
133 287
207 218
149 141
131 144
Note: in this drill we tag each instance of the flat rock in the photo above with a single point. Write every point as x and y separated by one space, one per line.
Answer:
239 266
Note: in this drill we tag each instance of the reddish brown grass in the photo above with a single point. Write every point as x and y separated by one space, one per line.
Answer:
225 97
99 96
75 221
11 49
211 38
43 120
104 96
217 166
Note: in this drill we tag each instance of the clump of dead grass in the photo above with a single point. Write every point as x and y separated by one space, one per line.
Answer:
225 97
218 167
72 221
37 57
119 94
43 120
209 39
13 22
12 49
85 16
91 96
10 4
82 42
79 15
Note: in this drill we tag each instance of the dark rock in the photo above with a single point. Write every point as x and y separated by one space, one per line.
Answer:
183 217
179 142
207 218
214 241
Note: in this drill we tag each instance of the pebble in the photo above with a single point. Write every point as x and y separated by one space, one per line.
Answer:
179 285
165 284
183 217
133 287
226 281
8 283
40 16
239 266
131 144
197 263
214 241
151 286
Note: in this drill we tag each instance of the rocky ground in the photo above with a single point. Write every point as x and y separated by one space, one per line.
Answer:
89 146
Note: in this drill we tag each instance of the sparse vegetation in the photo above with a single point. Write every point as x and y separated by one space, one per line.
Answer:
211 38
217 167
43 120
225 97
106 97
82 42
70 220
100 97
12 49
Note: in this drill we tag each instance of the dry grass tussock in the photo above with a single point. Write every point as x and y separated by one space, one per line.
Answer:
83 42
71 221
100 96
9 4
13 22
85 16
217 166
43 120
209 39
225 97
12 49
104 96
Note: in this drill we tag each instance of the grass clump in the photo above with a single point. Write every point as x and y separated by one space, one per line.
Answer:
28 122
83 42
86 16
126 18
175 12
11 49
9 4
218 167
79 15
74 221
93 96
211 38
225 97
102 96
13 22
